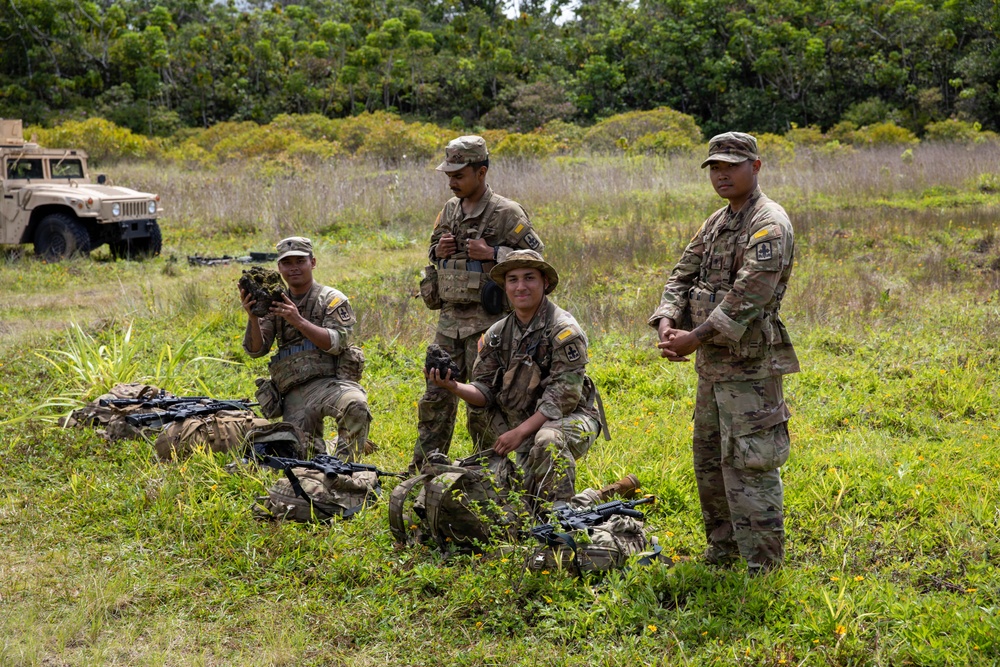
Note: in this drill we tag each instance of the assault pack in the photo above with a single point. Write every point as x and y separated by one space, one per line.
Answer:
319 489
458 506
591 539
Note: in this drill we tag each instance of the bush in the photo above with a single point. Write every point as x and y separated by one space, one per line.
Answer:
568 137
526 146
775 149
620 131
390 138
805 136
312 126
955 131
884 134
842 132
988 183
834 149
662 143
101 139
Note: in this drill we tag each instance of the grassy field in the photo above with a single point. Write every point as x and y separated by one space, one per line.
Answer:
891 490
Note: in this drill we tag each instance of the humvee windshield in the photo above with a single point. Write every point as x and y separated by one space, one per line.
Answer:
67 169
25 169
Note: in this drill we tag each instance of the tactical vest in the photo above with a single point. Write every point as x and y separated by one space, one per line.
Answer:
460 279
722 260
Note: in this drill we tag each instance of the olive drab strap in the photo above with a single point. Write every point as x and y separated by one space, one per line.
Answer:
399 522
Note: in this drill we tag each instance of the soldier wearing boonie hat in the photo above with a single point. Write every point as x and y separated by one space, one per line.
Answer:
722 300
315 372
529 390
475 229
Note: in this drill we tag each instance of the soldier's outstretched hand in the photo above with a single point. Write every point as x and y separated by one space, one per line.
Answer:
433 375
247 300
286 309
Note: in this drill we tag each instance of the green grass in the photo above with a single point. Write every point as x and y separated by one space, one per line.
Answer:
891 495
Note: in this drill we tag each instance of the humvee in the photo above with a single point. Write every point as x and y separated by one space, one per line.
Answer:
49 200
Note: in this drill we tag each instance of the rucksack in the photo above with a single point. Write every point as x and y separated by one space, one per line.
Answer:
221 432
310 495
461 506
603 547
109 419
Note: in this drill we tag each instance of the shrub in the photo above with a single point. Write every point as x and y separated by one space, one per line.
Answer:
101 139
390 138
312 126
834 149
842 132
884 134
620 131
526 146
775 149
569 137
662 143
956 131
805 136
988 183
492 137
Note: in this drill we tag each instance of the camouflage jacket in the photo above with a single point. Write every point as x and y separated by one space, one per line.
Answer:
733 274
323 306
507 228
540 368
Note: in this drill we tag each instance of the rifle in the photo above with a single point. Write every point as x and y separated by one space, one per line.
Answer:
253 257
159 402
159 419
569 520
330 466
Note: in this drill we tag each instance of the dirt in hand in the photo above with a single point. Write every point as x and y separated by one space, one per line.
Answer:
441 360
265 285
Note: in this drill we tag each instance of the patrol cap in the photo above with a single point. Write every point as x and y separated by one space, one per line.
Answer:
462 152
525 259
732 147
294 246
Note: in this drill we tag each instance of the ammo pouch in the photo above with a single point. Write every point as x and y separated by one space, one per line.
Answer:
701 303
461 280
300 363
429 288
268 398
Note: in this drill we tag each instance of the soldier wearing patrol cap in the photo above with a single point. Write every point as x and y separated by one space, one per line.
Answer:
315 369
476 229
722 299
529 389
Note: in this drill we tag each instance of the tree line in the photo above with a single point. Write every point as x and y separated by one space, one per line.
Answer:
157 66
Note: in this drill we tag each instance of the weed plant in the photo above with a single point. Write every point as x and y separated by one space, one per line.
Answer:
891 493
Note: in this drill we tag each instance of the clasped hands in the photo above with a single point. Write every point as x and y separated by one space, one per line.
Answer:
675 344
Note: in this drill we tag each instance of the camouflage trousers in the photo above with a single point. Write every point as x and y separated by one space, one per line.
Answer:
438 407
548 460
307 404
740 441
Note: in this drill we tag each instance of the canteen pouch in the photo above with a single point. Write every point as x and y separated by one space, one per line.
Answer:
492 298
268 398
429 288
295 369
351 364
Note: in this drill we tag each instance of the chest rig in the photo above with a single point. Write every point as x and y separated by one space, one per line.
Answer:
298 360
461 279
524 368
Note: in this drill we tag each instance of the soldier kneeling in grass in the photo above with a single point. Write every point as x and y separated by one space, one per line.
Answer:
529 393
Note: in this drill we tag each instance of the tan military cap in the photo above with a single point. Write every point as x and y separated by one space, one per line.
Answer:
732 147
525 259
294 246
463 151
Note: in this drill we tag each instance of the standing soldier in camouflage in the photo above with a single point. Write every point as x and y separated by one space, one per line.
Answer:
475 229
310 370
531 385
722 299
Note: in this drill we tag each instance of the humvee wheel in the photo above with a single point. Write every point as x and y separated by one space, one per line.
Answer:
60 237
139 248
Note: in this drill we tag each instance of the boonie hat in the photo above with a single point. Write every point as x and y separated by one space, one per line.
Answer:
521 259
732 147
462 152
294 246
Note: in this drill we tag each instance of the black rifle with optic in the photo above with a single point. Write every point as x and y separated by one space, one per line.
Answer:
183 411
569 520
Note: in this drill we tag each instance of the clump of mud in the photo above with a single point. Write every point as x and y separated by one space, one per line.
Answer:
441 360
265 285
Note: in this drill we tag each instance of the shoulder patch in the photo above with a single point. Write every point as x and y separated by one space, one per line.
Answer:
566 333
333 304
531 240
344 313
764 251
519 228
572 353
765 234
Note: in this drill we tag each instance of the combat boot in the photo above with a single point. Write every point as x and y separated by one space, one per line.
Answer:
625 488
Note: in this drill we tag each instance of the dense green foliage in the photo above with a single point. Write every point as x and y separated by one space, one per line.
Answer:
759 65
111 558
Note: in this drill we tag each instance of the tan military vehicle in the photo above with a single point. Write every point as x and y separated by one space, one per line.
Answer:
48 200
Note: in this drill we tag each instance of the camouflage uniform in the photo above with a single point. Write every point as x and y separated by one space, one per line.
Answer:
503 224
733 274
538 368
308 401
